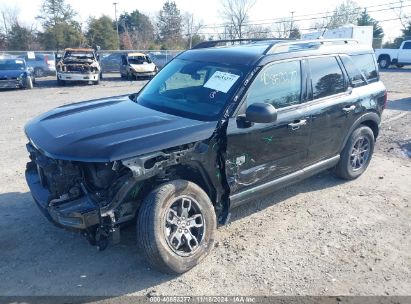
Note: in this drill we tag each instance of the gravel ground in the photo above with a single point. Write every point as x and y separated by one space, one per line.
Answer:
323 236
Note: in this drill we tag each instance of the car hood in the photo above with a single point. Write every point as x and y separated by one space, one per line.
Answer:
111 129
11 73
147 67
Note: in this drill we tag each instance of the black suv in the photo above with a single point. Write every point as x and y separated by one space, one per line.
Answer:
219 126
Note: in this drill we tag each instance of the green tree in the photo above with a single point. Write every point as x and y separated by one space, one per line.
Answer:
378 33
20 38
101 32
61 30
136 29
169 26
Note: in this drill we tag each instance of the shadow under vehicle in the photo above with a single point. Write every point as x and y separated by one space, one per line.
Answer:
216 128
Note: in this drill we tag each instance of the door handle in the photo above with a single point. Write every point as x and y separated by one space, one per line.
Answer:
296 124
349 109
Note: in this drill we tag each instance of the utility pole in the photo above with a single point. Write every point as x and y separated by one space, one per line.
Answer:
115 16
291 23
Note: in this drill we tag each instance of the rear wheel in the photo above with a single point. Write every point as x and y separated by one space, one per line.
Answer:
399 65
384 62
175 227
356 154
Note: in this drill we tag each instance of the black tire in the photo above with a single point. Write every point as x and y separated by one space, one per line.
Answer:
384 62
29 83
349 167
399 65
154 216
101 75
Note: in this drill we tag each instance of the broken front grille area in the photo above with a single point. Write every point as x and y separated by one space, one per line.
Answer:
61 178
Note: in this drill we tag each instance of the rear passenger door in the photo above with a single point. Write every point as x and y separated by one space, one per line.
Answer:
331 102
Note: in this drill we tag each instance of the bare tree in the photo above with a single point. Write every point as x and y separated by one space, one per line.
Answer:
399 10
8 18
283 28
236 14
259 31
191 26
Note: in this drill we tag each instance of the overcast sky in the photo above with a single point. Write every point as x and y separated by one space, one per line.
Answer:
208 10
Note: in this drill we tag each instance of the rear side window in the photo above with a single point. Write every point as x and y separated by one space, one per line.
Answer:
366 64
278 84
355 75
326 76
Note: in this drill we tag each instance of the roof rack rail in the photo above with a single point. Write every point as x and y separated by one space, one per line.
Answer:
299 45
215 43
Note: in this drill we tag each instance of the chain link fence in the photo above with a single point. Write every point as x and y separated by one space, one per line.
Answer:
43 62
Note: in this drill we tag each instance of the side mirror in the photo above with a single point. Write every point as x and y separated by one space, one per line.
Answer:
261 113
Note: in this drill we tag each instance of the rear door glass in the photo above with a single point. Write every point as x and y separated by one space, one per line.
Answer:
327 77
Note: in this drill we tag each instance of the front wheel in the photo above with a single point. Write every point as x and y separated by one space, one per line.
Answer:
29 83
356 154
175 226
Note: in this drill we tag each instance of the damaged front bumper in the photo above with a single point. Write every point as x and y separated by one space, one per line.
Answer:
79 214
78 76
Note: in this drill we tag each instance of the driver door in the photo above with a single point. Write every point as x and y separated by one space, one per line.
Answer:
262 152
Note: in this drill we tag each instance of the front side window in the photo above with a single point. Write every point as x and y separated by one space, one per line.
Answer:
366 64
193 89
326 76
278 84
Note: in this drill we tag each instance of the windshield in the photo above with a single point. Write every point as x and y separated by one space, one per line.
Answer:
138 60
192 89
12 64
79 55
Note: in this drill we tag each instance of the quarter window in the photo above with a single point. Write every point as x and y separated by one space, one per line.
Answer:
278 84
366 64
356 77
327 77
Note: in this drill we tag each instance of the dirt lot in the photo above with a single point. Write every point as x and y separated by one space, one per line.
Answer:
320 237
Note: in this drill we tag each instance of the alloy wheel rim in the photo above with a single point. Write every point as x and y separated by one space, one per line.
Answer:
360 153
184 226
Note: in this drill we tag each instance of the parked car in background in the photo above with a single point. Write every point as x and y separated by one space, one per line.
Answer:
160 59
398 57
111 62
217 127
134 65
42 64
14 73
79 65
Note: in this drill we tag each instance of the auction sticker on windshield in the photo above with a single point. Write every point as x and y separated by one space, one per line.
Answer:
221 81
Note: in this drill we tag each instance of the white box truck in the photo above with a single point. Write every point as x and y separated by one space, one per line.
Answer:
363 34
